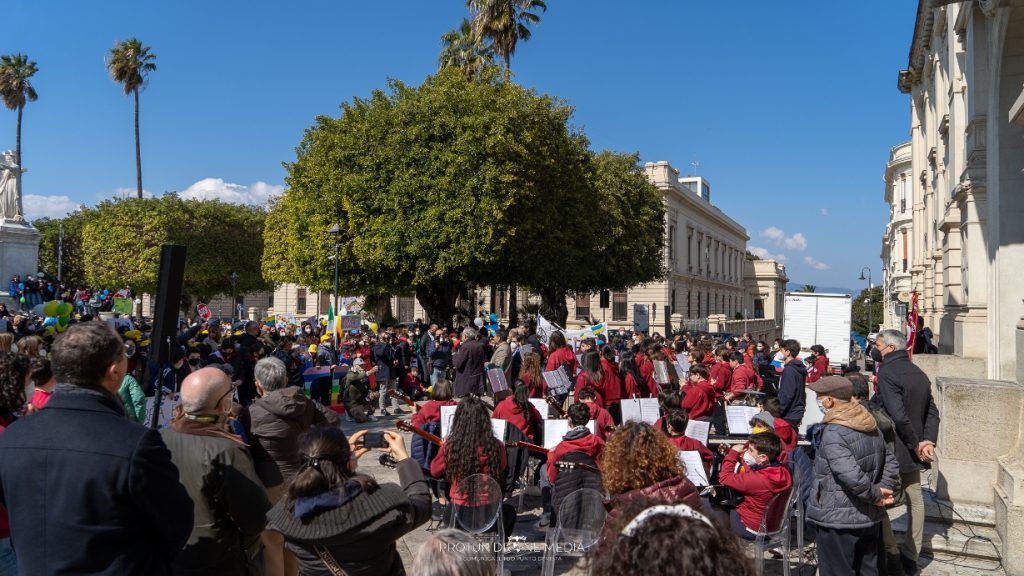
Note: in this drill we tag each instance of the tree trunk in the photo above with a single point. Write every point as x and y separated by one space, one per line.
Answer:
513 306
508 67
17 159
552 305
138 149
438 301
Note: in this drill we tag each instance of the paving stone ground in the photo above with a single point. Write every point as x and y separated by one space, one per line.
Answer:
526 549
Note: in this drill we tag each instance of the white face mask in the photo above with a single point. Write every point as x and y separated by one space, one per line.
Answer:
821 406
514 345
749 459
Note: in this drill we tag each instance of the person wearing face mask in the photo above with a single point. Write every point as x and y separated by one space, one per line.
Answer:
760 479
229 502
854 478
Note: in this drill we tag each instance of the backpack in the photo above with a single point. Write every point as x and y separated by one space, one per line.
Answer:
424 451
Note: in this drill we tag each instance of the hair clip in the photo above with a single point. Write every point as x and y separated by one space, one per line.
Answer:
680 510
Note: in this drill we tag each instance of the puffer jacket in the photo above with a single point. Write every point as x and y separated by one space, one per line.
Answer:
851 466
277 420
672 491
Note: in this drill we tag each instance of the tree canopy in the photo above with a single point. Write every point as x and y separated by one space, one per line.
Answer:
73 268
121 242
458 182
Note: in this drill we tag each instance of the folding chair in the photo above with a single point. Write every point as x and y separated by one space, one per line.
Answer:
581 518
481 517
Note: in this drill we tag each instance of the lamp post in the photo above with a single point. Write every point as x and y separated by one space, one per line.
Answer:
868 299
234 295
335 231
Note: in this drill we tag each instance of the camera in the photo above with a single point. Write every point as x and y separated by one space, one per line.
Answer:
374 440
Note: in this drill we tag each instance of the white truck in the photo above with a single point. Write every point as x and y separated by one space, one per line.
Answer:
812 318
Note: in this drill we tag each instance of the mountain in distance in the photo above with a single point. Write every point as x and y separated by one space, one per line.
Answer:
795 287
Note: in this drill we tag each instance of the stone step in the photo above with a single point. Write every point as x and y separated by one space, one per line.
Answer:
958 539
945 512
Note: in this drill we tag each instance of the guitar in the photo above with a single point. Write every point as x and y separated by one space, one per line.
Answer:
560 463
401 398
555 405
401 425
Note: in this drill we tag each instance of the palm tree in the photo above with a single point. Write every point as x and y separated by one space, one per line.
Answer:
16 71
505 23
463 49
129 64
808 288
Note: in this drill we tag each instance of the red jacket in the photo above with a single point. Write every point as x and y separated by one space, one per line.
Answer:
672 491
590 445
757 488
646 367
507 409
537 389
430 411
721 378
602 420
686 444
744 378
438 469
584 381
648 389
819 370
562 356
699 400
612 382
788 436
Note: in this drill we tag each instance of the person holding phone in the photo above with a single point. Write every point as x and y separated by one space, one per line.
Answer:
338 521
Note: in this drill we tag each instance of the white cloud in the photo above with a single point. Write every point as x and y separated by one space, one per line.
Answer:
778 237
815 264
37 206
824 211
130 193
764 254
217 189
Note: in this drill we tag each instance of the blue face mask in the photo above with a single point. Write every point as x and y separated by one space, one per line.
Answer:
821 406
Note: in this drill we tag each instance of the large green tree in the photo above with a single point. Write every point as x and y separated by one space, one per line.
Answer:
72 266
130 64
16 89
868 299
434 187
121 243
505 23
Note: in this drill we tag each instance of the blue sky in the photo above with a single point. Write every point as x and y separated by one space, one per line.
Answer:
790 108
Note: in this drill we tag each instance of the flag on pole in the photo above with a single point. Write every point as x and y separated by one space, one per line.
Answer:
912 325
331 324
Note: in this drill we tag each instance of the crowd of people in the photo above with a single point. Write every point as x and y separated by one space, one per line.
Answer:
254 475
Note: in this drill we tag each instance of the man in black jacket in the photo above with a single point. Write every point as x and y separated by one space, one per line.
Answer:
906 396
792 397
88 491
218 472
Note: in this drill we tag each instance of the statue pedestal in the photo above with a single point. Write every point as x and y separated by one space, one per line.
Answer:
19 250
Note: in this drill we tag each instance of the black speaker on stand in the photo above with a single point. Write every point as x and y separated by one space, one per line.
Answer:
165 319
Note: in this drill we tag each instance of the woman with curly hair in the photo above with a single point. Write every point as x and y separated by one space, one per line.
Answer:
668 540
471 448
640 462
332 514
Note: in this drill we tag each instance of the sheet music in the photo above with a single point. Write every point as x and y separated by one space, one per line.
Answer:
541 405
496 377
558 382
448 415
738 418
682 369
698 430
694 467
555 429
661 372
640 410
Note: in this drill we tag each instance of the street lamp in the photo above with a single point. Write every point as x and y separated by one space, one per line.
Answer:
335 231
868 299
234 296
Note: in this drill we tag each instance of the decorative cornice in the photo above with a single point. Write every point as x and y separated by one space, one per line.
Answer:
989 7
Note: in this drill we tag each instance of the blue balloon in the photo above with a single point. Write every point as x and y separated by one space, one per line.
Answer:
50 321
494 317
21 285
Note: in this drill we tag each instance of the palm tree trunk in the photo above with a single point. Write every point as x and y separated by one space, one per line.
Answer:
17 159
138 150
508 67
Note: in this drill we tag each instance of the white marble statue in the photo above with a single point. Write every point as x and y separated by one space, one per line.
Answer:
10 187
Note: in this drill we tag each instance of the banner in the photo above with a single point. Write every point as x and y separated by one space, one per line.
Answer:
124 306
544 329
350 305
351 322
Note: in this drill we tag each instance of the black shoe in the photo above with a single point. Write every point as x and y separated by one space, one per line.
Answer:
437 512
894 565
909 566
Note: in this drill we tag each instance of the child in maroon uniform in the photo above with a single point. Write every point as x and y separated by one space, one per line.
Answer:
676 421
762 477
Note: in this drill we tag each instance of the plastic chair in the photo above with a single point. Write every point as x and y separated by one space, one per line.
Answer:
581 518
481 516
798 514
774 529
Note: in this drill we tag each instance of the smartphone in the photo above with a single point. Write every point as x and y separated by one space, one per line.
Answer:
374 440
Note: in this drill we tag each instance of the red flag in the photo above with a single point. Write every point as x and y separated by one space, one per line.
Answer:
912 325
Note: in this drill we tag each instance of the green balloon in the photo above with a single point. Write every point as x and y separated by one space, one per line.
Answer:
50 308
63 309
63 320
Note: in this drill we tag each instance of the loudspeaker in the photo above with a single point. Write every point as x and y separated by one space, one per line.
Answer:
605 297
168 300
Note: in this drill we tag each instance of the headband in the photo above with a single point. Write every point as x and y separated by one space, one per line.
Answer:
680 510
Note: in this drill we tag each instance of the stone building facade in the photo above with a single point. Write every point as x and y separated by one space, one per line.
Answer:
965 79
897 243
